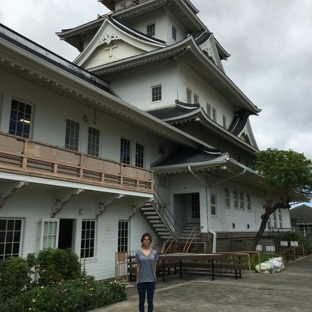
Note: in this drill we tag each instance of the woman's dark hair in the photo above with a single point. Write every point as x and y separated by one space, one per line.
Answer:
144 235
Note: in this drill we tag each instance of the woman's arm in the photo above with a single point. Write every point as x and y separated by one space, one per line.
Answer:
137 272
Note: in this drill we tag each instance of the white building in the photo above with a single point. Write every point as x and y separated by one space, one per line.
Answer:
143 132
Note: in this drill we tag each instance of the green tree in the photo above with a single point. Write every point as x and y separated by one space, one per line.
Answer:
287 178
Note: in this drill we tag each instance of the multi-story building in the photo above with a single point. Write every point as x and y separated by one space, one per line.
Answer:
144 131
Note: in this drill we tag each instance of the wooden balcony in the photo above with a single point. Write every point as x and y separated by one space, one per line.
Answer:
26 156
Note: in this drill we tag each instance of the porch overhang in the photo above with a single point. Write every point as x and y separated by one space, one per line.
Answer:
59 184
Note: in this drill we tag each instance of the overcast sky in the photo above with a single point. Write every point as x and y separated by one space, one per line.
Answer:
270 42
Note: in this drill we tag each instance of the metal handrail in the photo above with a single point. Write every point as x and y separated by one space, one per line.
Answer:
164 246
190 238
289 249
165 214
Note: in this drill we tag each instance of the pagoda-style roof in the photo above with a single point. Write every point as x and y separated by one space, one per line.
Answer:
191 54
182 113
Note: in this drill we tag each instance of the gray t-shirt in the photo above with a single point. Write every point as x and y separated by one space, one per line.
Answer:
147 269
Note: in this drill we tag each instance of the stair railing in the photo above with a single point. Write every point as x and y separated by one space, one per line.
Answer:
190 239
290 251
164 250
165 215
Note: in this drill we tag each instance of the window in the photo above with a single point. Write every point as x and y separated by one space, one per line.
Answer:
248 207
20 119
235 199
195 206
224 121
93 141
150 30
174 33
125 151
10 237
156 93
209 110
72 135
279 218
139 155
241 200
49 233
196 98
123 229
188 96
213 204
214 114
226 198
238 159
87 249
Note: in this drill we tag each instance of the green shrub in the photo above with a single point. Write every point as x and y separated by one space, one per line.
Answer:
13 276
79 295
54 265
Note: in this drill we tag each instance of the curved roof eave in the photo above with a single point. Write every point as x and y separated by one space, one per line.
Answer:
206 68
199 115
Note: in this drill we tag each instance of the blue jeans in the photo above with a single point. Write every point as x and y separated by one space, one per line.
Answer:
149 289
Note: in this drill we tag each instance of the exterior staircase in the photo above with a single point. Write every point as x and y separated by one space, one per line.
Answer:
161 220
185 234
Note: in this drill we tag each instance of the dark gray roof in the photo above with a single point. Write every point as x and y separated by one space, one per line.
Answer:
302 214
178 109
186 155
45 54
203 36
239 122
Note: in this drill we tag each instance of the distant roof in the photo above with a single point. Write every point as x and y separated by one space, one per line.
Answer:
45 54
302 214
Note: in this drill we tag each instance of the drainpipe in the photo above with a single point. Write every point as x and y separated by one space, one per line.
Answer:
214 241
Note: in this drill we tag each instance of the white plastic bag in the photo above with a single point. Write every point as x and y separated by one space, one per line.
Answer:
274 265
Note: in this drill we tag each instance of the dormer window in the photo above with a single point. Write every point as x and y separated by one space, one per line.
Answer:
150 30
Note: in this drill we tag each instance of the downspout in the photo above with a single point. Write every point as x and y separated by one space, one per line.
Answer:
214 241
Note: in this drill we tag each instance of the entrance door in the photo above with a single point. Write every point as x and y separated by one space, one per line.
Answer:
195 208
66 234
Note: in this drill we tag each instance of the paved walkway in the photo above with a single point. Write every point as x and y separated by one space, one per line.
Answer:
289 290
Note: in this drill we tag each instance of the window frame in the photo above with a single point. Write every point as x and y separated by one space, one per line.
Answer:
174 33
52 238
91 247
156 93
91 150
227 199
68 138
123 238
151 29
241 200
188 96
235 199
213 205
224 121
13 241
196 98
125 151
139 159
214 114
248 202
208 108
195 204
21 119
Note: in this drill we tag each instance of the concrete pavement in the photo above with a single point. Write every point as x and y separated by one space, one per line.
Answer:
289 290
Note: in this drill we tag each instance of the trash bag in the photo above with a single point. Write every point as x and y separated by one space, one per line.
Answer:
274 265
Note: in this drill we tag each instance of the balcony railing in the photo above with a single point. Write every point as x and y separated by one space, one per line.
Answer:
26 156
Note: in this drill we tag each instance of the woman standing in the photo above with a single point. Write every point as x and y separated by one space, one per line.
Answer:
146 272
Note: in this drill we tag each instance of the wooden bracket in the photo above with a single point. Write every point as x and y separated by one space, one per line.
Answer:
16 186
134 210
59 201
103 207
